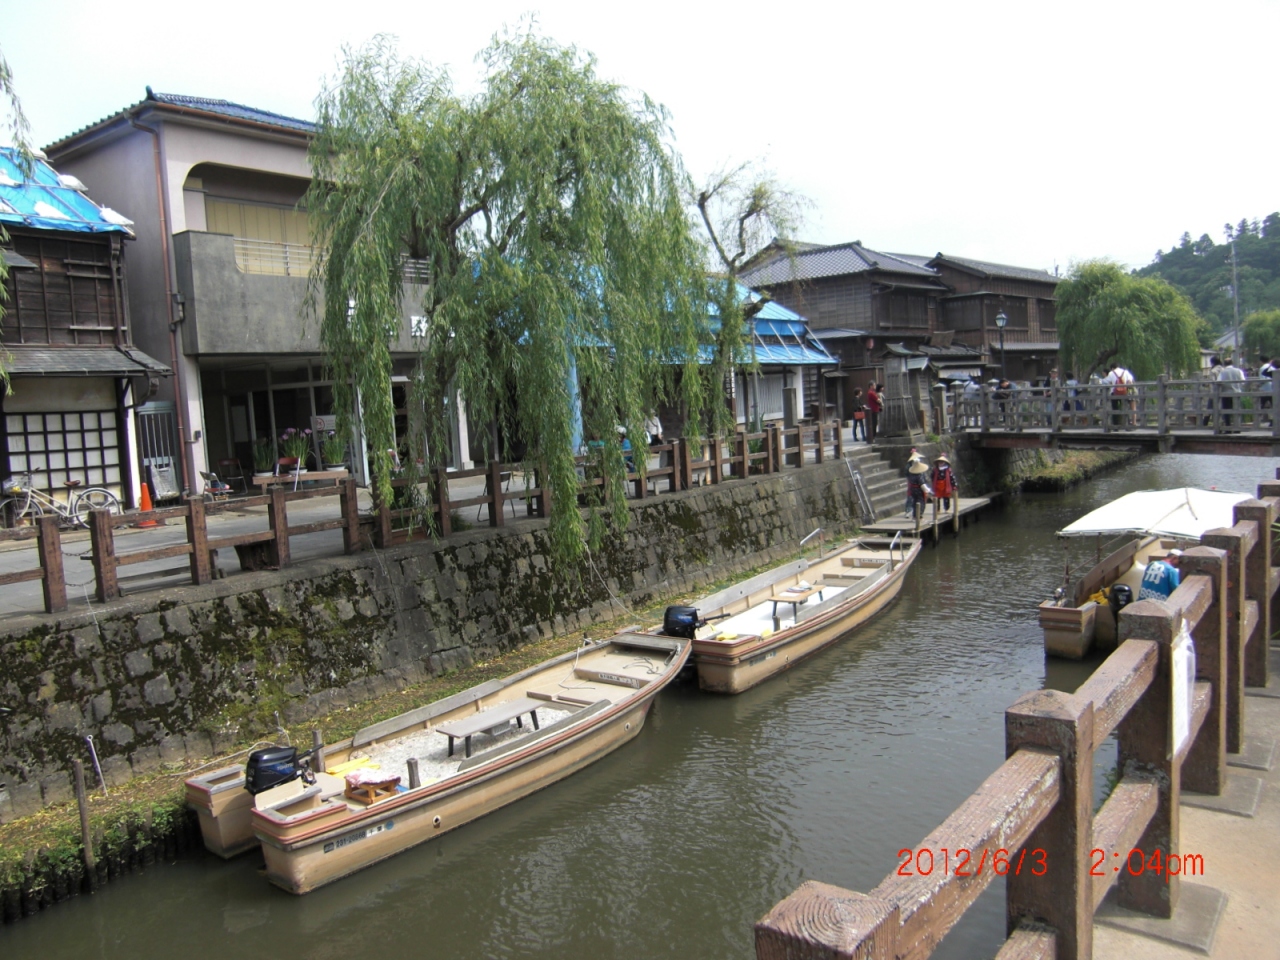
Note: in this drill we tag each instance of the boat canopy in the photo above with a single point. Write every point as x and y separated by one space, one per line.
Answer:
1184 512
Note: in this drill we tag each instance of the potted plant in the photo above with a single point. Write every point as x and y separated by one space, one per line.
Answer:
264 457
333 452
295 444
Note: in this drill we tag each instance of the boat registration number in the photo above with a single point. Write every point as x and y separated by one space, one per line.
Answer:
359 835
762 658
619 680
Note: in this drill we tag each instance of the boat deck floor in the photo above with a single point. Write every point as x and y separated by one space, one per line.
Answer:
757 619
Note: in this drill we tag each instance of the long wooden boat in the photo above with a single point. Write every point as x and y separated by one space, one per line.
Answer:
476 751
764 625
1153 522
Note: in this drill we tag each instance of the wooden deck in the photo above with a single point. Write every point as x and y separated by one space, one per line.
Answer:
931 527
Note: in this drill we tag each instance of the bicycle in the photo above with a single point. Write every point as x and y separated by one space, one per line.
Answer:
23 503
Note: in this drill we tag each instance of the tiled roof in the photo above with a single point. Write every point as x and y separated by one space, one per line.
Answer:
63 360
177 101
228 109
810 263
986 269
47 201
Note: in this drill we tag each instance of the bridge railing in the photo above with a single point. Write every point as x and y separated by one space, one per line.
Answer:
1162 406
1032 822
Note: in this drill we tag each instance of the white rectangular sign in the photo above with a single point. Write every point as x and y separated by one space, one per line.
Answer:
1183 676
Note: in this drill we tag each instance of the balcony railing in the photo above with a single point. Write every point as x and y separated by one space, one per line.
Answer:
298 260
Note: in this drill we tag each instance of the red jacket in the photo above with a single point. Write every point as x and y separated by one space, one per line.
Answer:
873 401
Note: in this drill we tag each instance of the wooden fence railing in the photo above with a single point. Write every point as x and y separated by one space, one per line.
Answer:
678 467
1031 822
1163 406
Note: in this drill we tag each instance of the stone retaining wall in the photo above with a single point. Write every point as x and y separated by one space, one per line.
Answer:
187 674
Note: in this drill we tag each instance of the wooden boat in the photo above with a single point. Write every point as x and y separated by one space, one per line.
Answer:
1155 521
475 751
764 625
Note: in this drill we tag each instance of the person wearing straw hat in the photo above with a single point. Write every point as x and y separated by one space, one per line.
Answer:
914 457
944 481
917 488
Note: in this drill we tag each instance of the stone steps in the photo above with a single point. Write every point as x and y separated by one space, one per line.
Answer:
885 486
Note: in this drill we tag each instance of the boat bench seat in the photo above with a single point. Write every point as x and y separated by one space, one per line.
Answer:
492 721
611 677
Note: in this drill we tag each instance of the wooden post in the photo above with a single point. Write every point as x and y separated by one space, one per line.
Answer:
317 752
717 456
1257 590
543 501
198 537
279 519
1229 540
743 467
823 922
767 466
349 501
821 436
840 439
86 834
102 539
49 548
1063 895
986 407
1275 414
682 455
443 511
1144 751
1056 394
382 527
415 780
800 446
1162 411
495 493
1204 769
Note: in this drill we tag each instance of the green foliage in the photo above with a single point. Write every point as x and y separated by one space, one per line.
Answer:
1202 270
1106 316
19 135
1261 334
547 211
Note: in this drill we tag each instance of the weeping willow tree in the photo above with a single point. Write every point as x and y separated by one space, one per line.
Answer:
546 213
1106 316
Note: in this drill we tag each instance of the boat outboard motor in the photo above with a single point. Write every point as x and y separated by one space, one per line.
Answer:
1121 596
681 622
273 766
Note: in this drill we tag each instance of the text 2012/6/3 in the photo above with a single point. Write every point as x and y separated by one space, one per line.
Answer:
969 864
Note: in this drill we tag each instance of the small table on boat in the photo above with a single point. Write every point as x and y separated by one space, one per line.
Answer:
795 598
487 720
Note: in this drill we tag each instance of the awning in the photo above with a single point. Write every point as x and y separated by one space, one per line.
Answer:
58 360
1185 513
837 333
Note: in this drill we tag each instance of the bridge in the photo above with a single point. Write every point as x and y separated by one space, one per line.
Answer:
1163 416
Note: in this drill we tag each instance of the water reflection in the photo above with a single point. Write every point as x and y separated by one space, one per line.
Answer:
675 845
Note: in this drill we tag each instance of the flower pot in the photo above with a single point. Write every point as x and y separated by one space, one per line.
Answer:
261 475
335 467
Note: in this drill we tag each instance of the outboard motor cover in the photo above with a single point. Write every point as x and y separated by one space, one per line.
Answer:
680 622
1121 596
270 767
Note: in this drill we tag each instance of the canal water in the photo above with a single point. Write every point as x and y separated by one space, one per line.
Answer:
678 842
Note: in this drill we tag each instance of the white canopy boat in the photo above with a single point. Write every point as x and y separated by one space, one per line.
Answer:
1156 521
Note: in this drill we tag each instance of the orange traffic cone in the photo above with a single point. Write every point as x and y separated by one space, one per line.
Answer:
146 507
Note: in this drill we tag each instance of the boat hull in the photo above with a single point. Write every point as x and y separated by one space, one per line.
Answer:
735 666
301 865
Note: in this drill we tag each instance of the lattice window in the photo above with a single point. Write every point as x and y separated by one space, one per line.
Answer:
55 447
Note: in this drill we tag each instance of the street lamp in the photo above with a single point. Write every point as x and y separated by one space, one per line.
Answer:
1001 322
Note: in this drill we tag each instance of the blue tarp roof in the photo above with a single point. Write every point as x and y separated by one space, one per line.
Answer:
779 336
47 202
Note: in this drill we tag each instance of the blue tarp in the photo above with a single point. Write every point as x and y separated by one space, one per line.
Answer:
43 201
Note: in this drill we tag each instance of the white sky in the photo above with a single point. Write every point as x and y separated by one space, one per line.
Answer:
1023 133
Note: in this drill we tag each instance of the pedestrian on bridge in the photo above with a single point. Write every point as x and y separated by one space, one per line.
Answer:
1233 376
1121 379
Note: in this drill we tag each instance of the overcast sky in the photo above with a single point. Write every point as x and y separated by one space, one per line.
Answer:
1025 133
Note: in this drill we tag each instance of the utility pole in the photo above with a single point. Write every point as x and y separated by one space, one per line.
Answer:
1235 301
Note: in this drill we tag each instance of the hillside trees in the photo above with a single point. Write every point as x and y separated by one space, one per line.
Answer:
1106 316
1261 334
548 210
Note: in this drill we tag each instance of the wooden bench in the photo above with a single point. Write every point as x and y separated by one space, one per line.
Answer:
334 476
492 721
795 598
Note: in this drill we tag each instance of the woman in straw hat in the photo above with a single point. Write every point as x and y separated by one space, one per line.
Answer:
944 481
917 488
